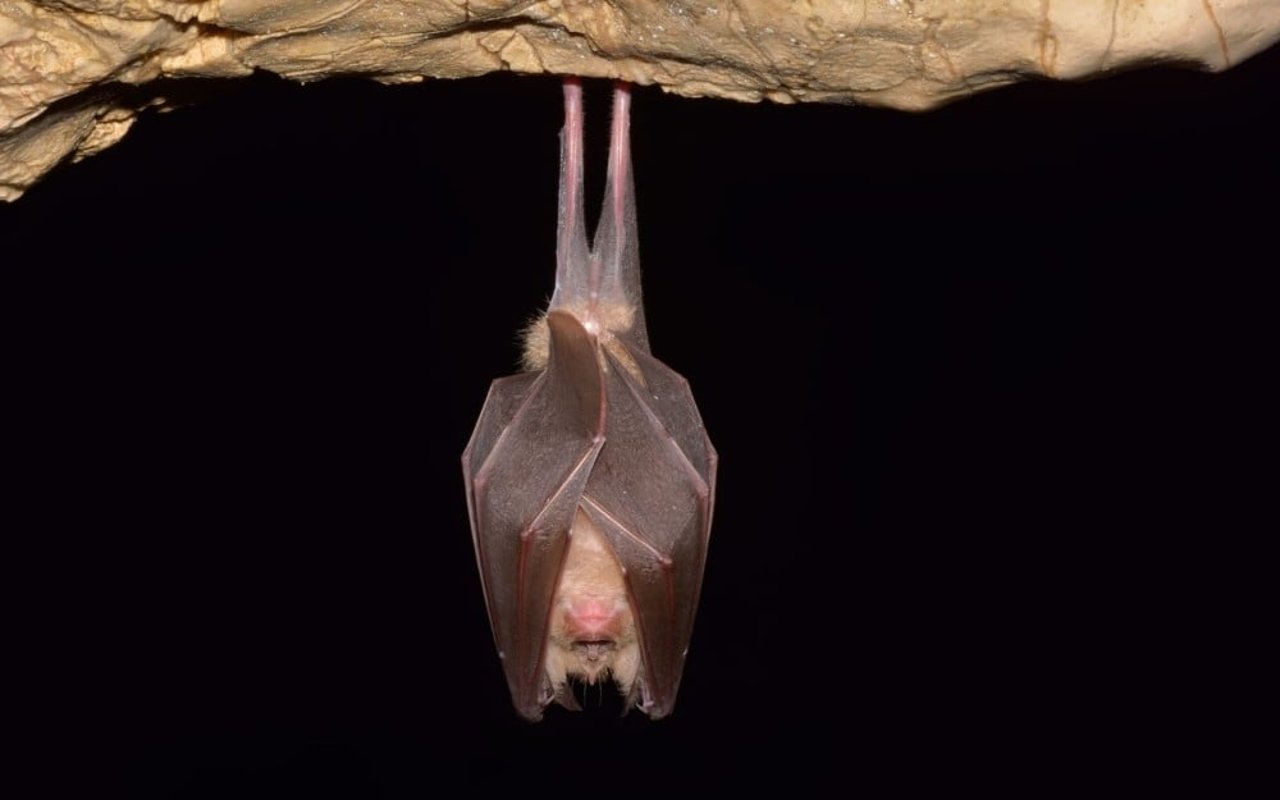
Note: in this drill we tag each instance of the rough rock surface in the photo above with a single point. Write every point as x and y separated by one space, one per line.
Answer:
70 69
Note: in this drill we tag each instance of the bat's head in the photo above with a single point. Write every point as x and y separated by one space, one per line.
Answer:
592 632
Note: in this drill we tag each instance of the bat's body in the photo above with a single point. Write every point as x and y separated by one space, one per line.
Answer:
590 477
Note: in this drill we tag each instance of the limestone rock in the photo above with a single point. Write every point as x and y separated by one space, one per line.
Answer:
69 69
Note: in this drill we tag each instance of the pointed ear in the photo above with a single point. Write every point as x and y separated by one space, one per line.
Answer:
565 698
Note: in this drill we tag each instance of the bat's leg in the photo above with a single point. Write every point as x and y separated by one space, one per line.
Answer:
600 285
573 261
616 247
620 171
571 246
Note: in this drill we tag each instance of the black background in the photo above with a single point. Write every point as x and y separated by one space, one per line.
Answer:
966 371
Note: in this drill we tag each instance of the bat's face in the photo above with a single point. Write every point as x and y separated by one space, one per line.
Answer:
593 630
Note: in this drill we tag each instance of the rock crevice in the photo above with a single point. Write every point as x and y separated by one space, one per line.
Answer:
907 54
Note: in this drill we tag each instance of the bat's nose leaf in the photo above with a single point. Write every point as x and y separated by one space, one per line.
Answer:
524 495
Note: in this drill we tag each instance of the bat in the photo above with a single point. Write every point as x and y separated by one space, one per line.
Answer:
590 477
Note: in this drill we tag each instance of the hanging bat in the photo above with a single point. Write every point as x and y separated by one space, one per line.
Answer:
590 478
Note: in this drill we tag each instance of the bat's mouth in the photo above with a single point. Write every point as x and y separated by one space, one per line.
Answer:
594 659
594 650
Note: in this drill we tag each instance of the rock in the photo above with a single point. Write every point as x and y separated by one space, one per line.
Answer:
72 71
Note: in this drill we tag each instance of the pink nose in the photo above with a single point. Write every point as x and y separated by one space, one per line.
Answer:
590 620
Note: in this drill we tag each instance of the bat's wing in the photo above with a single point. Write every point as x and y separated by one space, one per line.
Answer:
650 493
526 467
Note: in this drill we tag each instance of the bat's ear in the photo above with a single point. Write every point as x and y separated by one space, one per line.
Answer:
632 699
565 698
